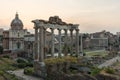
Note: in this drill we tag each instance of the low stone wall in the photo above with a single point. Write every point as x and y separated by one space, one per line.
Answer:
62 76
59 69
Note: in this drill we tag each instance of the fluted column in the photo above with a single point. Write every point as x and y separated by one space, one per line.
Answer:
36 45
71 45
66 43
77 42
41 44
60 50
44 32
52 42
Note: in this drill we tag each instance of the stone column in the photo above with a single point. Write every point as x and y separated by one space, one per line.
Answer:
60 50
39 66
36 45
66 43
77 42
71 40
52 42
41 53
45 54
81 47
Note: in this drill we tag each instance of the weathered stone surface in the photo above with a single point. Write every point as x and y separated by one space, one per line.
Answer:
107 77
39 68
62 76
56 75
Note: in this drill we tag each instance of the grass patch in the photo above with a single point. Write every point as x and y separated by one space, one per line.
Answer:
95 71
10 76
5 65
61 60
109 70
102 53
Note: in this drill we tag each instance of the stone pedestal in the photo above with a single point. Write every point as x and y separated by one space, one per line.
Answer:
40 69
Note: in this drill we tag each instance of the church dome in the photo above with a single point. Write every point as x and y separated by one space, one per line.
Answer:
16 23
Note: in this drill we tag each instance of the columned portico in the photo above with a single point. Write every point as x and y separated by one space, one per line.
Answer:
40 40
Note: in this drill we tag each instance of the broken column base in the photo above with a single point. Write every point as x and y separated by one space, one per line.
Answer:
40 70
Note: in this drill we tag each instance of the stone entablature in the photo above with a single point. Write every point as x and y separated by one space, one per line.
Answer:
55 24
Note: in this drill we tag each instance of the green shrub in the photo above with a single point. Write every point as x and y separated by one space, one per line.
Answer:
21 61
30 64
95 71
21 65
1 72
1 50
28 71
74 71
6 56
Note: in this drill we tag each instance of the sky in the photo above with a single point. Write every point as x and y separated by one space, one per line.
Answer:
91 15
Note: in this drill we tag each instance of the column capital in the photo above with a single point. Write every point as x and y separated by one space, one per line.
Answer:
77 29
65 29
44 28
35 28
59 29
71 30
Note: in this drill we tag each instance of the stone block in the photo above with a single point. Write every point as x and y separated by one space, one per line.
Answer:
40 69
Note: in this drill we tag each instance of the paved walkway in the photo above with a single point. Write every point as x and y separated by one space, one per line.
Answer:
19 73
109 62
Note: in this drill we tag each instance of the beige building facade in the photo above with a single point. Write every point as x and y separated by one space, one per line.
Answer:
13 39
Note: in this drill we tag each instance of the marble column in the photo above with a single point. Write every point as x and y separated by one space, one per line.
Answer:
66 43
71 40
60 50
41 44
36 45
45 53
77 42
52 42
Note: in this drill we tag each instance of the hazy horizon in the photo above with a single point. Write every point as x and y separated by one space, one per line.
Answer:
92 15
